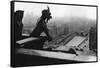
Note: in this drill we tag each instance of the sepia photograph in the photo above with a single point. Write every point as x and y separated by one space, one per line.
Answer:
45 33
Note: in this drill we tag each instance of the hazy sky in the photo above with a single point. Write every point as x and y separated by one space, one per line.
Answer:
57 10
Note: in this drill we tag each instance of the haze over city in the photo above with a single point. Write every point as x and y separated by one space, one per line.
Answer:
71 17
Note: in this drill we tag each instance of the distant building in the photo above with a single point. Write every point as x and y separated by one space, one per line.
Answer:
53 31
93 38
